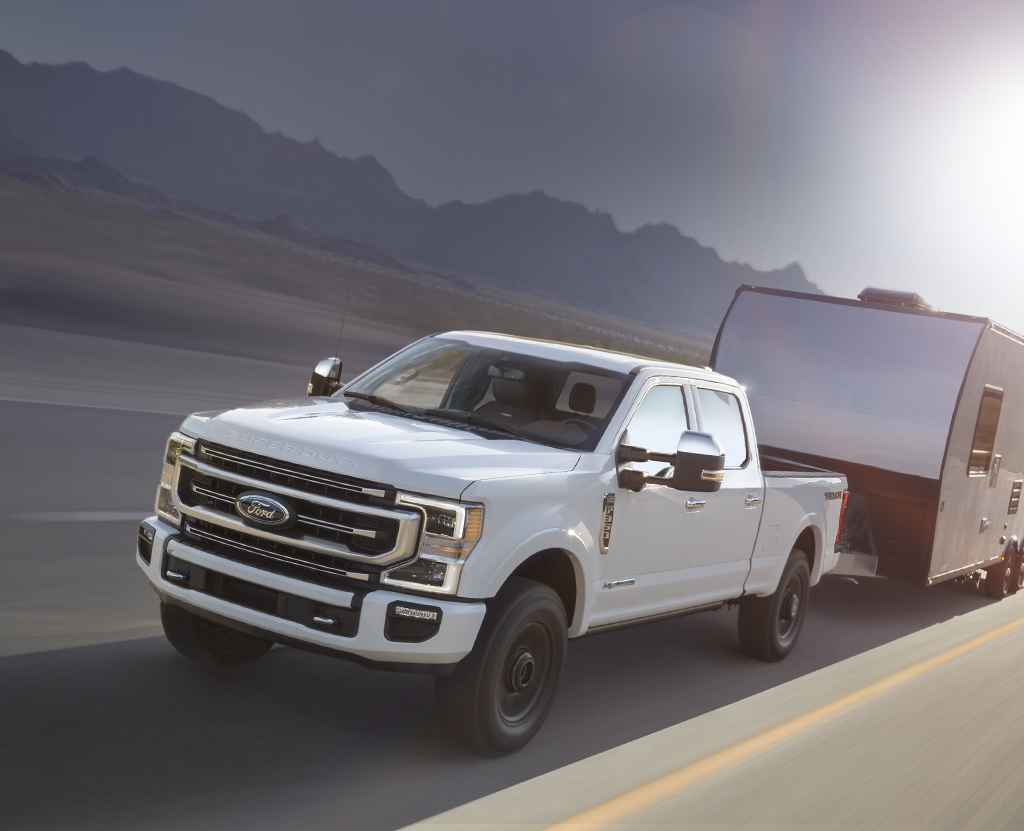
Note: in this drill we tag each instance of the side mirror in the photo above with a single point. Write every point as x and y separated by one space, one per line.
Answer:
698 464
326 378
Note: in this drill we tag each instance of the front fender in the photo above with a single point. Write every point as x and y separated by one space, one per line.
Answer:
575 542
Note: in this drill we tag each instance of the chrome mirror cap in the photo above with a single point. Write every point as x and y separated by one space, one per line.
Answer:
326 378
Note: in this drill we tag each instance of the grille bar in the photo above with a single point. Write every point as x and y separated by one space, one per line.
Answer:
210 494
334 526
220 539
260 463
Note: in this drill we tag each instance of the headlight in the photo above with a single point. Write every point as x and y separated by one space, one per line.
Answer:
177 444
452 531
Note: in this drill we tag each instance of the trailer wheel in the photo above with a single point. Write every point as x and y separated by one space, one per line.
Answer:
999 578
501 693
770 626
1017 581
207 642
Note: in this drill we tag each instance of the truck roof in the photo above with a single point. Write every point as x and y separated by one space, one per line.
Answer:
553 350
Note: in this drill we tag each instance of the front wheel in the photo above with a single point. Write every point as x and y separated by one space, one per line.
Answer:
769 626
207 642
501 693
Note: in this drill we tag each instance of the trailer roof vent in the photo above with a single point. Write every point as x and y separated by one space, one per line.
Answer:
894 298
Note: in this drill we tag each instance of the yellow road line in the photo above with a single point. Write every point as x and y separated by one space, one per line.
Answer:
644 796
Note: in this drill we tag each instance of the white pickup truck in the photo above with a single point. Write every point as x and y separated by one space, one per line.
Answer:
469 504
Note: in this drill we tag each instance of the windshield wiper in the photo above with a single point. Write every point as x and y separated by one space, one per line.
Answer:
380 402
482 421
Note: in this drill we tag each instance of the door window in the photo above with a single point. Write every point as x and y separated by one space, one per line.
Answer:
658 423
721 416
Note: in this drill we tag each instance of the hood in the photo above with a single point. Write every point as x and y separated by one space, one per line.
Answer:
388 449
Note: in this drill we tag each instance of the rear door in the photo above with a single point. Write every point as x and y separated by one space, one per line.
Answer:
654 534
732 515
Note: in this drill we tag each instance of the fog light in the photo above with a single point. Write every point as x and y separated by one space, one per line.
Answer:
165 508
419 614
406 623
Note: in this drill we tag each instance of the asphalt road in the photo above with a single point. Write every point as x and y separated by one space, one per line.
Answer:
102 725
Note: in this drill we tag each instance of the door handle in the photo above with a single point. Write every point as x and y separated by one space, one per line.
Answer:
752 500
695 504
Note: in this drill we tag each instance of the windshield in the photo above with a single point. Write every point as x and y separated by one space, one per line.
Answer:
552 402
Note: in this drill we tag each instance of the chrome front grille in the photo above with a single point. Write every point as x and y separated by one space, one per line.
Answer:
327 533
361 533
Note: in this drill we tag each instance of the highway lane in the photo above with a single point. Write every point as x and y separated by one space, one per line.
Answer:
103 727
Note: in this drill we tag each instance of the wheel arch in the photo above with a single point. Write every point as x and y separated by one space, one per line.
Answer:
555 568
807 536
539 556
809 541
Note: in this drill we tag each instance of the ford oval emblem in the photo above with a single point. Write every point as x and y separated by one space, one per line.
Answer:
264 510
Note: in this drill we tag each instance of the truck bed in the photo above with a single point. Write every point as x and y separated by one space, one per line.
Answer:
776 466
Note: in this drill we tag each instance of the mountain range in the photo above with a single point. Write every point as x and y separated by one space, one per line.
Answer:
155 140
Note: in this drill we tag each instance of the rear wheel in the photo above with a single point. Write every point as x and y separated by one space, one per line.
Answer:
207 642
501 693
770 626
999 578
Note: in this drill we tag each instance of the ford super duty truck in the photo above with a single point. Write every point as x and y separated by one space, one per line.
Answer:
467 505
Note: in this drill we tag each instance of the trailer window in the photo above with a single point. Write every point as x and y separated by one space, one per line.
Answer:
985 432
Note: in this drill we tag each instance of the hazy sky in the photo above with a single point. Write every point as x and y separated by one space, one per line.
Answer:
875 142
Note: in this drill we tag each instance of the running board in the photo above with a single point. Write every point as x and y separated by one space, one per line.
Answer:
625 624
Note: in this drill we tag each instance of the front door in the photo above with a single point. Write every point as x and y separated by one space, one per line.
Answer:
654 534
732 515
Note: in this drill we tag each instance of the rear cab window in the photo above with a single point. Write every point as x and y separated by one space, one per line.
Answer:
721 415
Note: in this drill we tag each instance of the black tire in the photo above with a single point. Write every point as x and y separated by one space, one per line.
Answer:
769 626
1017 578
999 578
501 693
207 642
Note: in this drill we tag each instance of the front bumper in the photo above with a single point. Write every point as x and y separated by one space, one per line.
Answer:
365 641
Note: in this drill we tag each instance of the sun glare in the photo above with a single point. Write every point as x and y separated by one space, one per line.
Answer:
965 156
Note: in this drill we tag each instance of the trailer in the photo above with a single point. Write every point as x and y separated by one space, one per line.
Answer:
920 409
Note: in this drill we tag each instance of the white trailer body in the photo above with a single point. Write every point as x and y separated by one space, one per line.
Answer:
919 408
